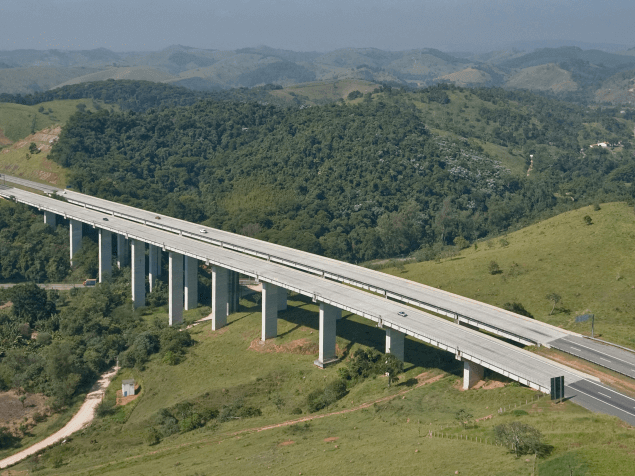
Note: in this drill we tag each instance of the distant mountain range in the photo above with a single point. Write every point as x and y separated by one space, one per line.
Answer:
584 75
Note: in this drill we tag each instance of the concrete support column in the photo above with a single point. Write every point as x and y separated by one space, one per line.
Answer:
328 324
159 256
123 251
472 373
282 299
153 272
395 343
76 237
105 254
233 290
269 311
176 288
219 297
50 219
138 272
191 283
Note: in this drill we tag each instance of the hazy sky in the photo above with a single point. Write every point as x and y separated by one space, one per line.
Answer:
125 25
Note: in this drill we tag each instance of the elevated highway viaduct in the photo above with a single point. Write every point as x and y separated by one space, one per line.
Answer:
459 308
477 350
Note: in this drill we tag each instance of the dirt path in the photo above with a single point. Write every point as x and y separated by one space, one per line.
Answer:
80 420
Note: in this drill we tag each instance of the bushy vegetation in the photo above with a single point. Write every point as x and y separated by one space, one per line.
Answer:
353 182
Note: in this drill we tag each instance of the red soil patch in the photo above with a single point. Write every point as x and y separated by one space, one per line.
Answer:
121 400
481 384
330 439
298 346
13 412
4 140
286 443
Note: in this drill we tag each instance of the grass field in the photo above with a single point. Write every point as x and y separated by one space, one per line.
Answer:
16 125
322 91
353 436
589 266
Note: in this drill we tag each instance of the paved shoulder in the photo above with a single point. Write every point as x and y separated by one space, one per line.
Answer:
598 398
607 356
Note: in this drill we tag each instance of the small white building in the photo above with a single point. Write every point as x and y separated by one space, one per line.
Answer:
127 387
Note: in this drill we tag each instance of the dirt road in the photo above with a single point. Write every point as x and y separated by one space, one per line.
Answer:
59 287
80 420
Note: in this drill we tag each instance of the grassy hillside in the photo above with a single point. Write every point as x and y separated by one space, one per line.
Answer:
546 77
321 92
138 73
21 125
589 266
230 366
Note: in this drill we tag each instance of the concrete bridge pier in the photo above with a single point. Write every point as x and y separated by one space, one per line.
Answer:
328 324
191 283
395 343
123 251
50 219
233 290
269 311
76 237
138 272
176 288
220 295
282 299
472 373
153 271
105 254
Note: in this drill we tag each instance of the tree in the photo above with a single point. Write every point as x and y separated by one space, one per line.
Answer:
493 267
521 438
33 148
588 220
555 299
517 308
463 417
392 366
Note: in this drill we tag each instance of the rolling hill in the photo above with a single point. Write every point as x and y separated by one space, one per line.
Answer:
568 72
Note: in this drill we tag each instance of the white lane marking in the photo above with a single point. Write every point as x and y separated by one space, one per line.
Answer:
604 395
603 387
605 403
604 359
575 348
600 352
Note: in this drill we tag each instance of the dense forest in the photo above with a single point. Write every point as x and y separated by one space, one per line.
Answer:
139 96
354 181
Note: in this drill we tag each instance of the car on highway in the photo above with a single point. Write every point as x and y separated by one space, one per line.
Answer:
105 219
202 230
402 314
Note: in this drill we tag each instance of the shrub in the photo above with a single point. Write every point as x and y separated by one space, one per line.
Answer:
322 398
588 220
152 436
191 422
296 411
518 308
493 267
354 95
